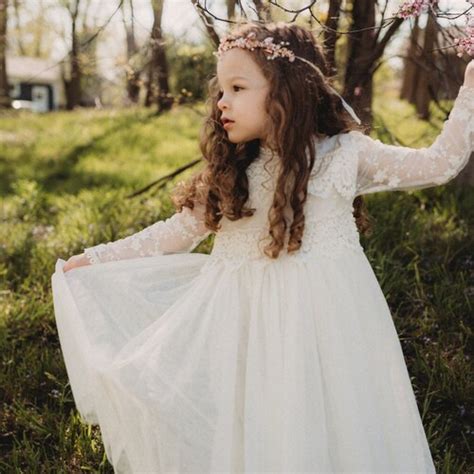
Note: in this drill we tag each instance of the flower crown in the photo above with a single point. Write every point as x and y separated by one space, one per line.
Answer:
250 42
274 50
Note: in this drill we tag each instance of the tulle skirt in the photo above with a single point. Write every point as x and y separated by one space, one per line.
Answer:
187 366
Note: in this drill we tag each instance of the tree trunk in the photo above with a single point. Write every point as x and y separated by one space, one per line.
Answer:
422 96
73 85
358 85
263 10
230 5
5 101
330 37
411 69
208 22
39 30
16 10
133 74
365 50
158 88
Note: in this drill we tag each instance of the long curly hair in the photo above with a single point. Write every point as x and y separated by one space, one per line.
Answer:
302 107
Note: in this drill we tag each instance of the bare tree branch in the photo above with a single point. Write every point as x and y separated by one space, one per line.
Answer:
164 180
207 18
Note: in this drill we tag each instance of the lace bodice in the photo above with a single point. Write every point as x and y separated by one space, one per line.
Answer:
347 165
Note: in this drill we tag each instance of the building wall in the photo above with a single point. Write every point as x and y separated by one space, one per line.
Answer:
23 91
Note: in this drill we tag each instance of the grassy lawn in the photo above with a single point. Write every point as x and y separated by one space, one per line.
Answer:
64 178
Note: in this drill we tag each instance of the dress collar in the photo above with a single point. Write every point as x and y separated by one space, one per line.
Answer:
268 152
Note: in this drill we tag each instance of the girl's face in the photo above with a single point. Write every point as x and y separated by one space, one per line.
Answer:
244 89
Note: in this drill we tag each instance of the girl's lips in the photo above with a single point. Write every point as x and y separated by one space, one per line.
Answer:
228 124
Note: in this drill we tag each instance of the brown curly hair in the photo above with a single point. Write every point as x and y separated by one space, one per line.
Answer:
302 107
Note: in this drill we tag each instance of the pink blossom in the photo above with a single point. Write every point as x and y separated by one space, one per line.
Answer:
412 8
464 44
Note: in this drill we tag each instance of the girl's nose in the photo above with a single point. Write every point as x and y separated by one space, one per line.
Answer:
221 103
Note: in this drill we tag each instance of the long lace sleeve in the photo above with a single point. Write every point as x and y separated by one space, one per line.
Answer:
180 233
383 167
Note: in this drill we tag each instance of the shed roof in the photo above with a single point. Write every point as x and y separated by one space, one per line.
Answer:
32 69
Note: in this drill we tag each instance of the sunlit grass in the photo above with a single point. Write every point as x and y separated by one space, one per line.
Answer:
63 182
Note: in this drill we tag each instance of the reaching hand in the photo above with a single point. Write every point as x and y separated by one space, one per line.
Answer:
76 261
469 74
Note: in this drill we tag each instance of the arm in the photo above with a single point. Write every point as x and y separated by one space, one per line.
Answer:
383 167
180 233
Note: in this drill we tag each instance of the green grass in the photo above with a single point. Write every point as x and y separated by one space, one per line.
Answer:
63 182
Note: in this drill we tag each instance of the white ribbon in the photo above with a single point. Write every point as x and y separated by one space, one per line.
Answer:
344 103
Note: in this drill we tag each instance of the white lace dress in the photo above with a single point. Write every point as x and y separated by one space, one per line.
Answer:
233 362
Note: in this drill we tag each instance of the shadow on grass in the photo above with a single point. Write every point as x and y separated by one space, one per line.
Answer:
61 175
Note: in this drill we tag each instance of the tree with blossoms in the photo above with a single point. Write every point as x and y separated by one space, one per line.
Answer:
365 30
463 44
467 44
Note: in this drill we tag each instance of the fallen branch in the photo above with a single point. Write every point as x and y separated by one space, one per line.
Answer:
164 180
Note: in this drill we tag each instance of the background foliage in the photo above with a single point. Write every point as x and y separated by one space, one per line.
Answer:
64 178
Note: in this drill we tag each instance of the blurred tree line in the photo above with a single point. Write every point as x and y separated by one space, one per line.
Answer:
160 70
157 71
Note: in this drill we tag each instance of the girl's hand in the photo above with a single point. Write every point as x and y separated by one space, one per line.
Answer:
469 74
76 261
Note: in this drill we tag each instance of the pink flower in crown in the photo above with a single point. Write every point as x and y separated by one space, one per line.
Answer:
268 44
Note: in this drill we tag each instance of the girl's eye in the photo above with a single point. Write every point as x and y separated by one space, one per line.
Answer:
221 92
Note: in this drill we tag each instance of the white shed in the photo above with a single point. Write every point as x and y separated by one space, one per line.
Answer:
36 81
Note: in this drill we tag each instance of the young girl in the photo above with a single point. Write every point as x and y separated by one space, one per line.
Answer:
277 352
